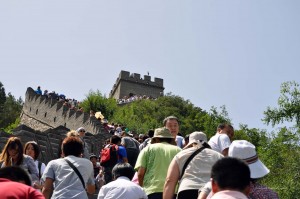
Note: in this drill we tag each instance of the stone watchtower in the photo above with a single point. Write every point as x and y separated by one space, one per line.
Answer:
132 84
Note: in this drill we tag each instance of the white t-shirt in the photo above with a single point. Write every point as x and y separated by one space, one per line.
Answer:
197 173
122 187
219 142
180 141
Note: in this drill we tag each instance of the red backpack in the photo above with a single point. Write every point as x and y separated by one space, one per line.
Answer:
109 156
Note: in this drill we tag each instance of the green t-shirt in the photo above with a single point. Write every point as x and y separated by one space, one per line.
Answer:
156 158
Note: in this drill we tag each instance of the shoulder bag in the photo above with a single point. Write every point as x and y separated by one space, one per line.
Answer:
190 159
76 171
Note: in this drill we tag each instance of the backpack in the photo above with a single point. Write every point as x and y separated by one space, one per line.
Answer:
39 167
109 156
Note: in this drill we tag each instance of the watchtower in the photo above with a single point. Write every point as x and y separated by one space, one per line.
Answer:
132 84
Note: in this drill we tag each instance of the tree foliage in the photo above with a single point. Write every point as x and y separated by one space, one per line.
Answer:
95 101
288 105
282 156
10 109
142 115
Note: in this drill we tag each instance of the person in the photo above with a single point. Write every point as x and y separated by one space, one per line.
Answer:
147 140
132 147
32 149
230 179
172 123
246 151
16 183
122 187
38 90
153 162
12 155
81 131
221 140
97 170
122 157
59 178
196 174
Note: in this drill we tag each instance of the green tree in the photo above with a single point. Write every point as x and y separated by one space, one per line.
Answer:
282 156
2 102
97 102
213 118
142 115
12 110
288 105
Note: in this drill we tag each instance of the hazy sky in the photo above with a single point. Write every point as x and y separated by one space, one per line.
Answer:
234 53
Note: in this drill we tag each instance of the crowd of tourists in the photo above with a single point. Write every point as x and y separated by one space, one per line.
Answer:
70 103
131 98
159 164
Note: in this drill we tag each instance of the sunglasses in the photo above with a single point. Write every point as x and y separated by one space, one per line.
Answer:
83 131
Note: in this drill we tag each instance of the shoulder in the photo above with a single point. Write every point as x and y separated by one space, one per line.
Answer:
27 157
213 153
223 136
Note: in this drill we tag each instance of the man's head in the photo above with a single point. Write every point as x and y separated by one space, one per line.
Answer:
81 131
226 129
123 169
93 158
115 139
230 174
72 146
172 123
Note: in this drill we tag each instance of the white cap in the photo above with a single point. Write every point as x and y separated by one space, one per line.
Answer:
196 137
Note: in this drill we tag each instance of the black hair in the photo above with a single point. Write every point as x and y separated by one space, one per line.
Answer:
15 173
221 126
123 169
151 133
231 173
72 146
115 139
159 140
224 125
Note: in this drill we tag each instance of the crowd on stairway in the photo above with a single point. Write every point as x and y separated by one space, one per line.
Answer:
155 165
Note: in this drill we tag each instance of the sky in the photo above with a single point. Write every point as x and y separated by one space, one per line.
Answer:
212 53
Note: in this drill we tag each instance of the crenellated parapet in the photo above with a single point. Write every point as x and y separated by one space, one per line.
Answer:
42 113
127 84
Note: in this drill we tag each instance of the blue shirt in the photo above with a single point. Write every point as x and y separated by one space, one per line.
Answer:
122 153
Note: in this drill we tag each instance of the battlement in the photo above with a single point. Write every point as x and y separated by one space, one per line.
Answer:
42 113
128 83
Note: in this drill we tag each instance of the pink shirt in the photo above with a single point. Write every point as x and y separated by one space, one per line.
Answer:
228 194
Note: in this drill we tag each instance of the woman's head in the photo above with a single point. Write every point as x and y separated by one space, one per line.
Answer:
32 149
12 149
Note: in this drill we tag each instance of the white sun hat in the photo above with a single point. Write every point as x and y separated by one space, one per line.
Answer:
246 151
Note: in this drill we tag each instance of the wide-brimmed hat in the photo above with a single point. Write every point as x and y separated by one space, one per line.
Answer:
196 137
246 151
162 133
